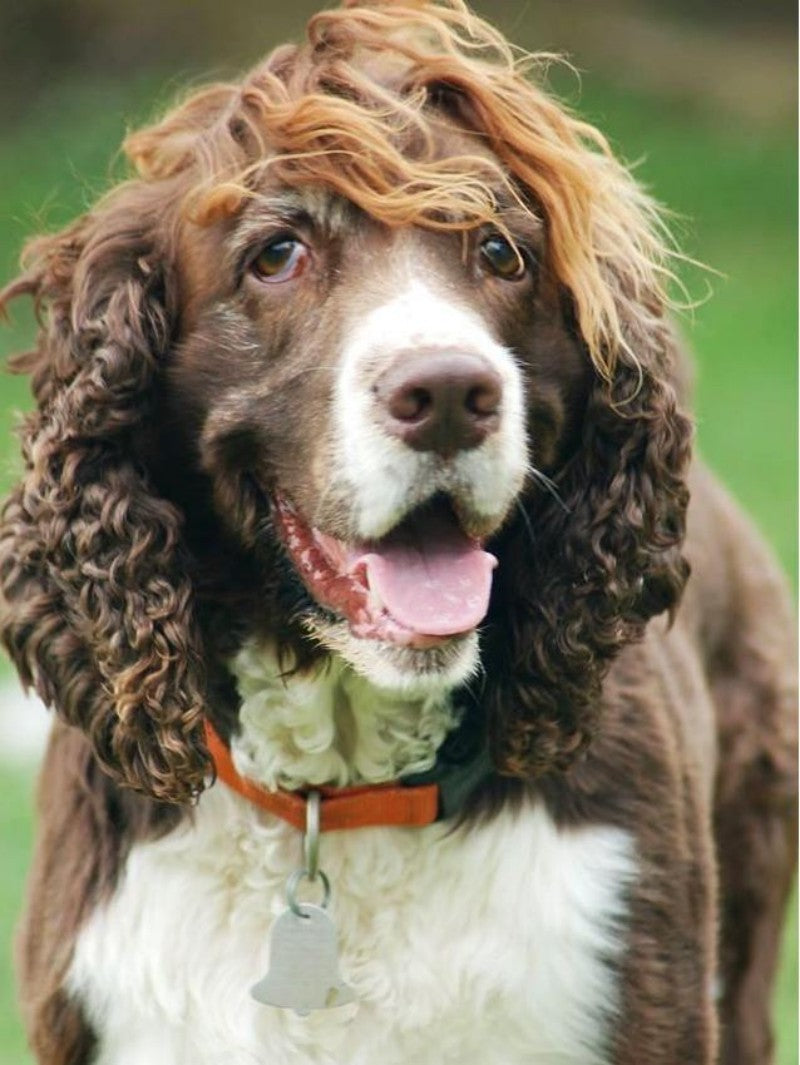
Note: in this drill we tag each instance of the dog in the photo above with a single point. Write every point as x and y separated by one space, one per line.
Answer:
352 550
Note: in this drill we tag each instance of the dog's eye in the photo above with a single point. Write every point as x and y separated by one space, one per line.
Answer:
281 260
502 258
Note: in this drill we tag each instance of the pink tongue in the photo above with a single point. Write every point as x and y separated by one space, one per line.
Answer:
434 580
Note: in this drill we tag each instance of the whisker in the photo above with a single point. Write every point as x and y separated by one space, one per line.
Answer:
549 486
526 521
474 682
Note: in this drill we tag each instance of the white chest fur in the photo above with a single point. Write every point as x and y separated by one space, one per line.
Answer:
482 946
488 944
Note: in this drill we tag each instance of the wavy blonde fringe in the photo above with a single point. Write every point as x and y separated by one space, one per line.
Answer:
344 109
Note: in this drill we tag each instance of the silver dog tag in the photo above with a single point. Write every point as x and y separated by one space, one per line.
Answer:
303 963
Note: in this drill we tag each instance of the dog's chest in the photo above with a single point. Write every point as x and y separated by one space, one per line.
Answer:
488 944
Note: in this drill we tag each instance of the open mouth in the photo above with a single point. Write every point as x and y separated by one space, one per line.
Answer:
422 584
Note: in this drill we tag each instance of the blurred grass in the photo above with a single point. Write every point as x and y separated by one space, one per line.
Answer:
16 827
736 185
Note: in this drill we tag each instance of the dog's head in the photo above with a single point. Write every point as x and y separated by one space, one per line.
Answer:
362 326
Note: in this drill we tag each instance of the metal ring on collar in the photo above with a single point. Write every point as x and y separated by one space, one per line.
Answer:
293 883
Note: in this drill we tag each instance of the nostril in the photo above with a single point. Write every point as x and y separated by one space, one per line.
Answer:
484 399
410 404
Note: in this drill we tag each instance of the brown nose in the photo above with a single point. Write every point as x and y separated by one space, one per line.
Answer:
440 401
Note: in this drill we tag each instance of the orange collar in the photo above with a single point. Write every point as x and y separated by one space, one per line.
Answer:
357 807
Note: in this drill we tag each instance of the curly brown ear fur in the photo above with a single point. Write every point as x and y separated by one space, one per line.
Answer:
583 575
97 607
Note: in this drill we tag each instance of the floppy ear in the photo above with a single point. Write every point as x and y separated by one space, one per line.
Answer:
582 576
97 605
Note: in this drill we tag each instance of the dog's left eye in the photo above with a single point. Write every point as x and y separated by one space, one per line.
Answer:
502 258
281 260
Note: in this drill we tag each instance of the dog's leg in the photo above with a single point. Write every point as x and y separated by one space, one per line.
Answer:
668 1015
755 817
61 884
756 836
86 826
648 759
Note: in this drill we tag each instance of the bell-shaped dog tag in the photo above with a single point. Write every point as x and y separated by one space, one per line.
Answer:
303 963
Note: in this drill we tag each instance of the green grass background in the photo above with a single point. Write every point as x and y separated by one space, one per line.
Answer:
733 184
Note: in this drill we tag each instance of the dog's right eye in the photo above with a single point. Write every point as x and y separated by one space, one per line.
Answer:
281 260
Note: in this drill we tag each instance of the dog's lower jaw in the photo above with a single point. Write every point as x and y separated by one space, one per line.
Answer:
409 672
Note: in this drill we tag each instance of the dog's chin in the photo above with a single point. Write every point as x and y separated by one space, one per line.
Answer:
412 672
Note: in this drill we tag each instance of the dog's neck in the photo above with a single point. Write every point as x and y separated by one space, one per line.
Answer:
330 726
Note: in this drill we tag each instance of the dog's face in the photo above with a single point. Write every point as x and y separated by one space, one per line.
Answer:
386 392
363 324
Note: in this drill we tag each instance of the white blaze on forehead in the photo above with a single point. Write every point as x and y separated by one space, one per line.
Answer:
419 316
386 477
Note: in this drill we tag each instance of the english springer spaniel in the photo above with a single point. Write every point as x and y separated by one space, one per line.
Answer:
352 552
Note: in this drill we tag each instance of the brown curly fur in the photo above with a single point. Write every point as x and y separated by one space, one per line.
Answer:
98 609
99 612
603 564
